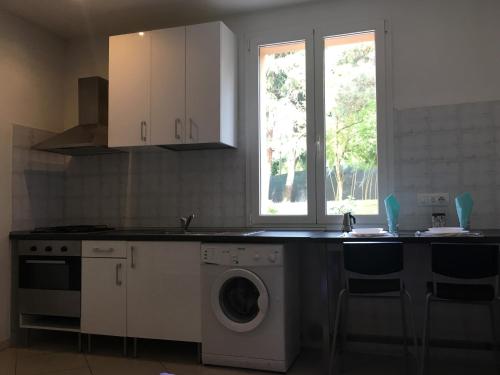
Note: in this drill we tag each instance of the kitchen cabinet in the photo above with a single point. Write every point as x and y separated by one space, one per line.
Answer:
210 85
174 88
163 291
129 86
103 290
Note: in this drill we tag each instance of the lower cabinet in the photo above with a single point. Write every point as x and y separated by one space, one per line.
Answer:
164 291
104 296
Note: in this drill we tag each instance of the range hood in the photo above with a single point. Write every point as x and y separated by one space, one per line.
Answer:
90 137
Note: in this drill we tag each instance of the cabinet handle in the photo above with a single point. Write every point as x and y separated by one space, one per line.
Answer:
100 250
145 131
177 135
118 269
142 130
190 128
132 260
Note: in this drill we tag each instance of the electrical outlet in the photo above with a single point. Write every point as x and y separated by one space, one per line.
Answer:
433 199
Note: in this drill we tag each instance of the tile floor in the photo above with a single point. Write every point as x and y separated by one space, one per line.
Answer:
60 357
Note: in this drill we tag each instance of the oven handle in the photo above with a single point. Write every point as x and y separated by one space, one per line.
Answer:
29 261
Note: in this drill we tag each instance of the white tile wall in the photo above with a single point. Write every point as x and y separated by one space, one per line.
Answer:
452 149
38 192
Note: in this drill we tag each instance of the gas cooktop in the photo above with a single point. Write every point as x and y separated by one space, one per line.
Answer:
73 229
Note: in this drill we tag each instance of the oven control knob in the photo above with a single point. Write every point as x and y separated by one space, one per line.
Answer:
33 248
48 248
64 249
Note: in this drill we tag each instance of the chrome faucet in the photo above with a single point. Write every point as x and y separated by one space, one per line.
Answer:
186 221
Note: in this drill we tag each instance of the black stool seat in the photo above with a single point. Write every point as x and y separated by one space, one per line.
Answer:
462 292
364 286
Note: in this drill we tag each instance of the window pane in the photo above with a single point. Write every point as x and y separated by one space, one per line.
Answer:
282 129
351 178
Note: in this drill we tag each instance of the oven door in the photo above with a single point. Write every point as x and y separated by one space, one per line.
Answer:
49 285
50 272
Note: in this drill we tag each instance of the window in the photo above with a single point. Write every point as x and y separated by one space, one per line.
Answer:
316 121
350 116
283 129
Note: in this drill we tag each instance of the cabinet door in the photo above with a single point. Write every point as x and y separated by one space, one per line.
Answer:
203 72
129 89
104 296
168 86
163 291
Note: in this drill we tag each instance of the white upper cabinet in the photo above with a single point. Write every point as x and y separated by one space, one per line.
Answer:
129 89
210 84
174 88
168 76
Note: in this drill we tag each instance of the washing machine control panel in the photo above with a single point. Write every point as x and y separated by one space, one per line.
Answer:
243 255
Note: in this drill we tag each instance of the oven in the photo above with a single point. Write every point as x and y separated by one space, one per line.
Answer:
49 278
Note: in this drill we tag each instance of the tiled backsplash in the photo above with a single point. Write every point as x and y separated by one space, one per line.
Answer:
453 149
142 188
38 192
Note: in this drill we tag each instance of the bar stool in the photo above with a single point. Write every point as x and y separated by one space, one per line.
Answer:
464 274
373 270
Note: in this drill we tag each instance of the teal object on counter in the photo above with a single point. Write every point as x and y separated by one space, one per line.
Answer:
392 208
464 205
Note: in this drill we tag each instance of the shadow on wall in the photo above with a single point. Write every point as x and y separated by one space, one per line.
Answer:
37 181
143 188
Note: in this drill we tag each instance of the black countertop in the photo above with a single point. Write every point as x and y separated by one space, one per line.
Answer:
245 235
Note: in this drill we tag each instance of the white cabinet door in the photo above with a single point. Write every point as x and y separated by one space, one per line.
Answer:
168 86
211 84
203 83
163 291
104 296
129 89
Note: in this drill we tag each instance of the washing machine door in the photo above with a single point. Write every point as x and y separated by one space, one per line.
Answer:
240 300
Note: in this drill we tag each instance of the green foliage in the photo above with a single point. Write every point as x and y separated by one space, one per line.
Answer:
351 116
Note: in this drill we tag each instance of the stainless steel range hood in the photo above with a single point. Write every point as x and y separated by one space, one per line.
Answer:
90 137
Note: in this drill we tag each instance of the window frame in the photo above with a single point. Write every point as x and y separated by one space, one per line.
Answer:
253 135
314 38
384 128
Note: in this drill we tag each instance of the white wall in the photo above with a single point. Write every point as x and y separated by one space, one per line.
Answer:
31 80
443 52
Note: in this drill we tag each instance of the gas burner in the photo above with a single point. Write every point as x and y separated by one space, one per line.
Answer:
73 229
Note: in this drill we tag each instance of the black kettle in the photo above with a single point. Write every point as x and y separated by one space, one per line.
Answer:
348 222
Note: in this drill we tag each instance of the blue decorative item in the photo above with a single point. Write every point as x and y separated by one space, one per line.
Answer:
464 205
392 208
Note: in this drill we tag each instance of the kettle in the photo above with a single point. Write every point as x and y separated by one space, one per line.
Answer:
347 222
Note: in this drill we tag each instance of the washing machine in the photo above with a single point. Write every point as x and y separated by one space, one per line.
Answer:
250 306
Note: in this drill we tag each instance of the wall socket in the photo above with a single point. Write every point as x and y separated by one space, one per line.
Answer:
433 199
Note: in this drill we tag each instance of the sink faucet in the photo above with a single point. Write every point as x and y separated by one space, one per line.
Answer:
185 221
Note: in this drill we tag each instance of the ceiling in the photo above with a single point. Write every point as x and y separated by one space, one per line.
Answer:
75 18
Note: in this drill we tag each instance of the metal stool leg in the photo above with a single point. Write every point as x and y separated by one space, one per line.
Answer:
405 328
344 326
135 348
494 335
425 336
413 325
89 343
340 301
124 346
